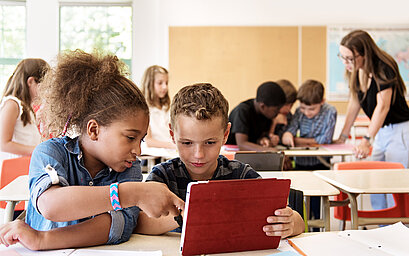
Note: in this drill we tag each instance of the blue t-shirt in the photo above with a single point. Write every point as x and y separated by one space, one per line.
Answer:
320 127
65 157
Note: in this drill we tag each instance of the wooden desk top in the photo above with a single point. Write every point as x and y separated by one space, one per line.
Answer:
305 181
169 245
368 181
17 190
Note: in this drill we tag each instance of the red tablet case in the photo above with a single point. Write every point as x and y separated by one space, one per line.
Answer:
229 215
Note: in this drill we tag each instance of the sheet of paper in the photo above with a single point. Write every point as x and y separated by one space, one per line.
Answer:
389 238
334 245
338 146
90 252
19 250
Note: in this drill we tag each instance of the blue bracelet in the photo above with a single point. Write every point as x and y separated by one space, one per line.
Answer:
113 192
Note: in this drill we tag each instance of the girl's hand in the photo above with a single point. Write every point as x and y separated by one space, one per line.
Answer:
363 149
19 231
282 224
159 201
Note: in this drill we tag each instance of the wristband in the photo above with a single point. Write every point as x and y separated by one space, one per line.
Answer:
368 138
113 192
343 135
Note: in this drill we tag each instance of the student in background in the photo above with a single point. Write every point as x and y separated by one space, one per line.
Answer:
315 120
18 130
283 119
251 120
89 93
377 87
199 128
155 89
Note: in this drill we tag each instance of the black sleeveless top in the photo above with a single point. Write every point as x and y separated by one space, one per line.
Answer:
398 111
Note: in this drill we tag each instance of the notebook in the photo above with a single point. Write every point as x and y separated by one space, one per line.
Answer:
228 216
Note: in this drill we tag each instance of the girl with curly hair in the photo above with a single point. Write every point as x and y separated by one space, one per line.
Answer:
86 190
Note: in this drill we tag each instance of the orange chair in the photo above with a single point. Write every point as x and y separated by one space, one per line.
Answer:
401 208
10 170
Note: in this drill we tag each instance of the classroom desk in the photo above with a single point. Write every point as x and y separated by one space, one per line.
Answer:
169 245
15 192
310 185
327 150
356 182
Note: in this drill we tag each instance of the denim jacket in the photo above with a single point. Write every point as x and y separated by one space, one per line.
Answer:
65 156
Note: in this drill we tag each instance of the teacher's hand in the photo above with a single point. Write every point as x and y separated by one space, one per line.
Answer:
363 149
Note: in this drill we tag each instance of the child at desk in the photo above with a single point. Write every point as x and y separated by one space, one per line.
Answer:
199 127
284 117
74 192
315 120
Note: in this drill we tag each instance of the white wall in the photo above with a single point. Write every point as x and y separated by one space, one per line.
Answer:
153 17
42 29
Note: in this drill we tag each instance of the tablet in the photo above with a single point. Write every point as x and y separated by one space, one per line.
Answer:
229 215
298 148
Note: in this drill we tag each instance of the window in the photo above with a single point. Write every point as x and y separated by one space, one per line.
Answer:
12 38
106 27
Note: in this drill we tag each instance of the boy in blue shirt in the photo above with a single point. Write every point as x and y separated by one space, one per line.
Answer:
315 120
199 127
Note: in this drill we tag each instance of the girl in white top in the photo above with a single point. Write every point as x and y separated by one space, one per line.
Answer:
155 89
18 130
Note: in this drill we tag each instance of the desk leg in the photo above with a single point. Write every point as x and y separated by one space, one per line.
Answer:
325 212
354 210
307 206
9 211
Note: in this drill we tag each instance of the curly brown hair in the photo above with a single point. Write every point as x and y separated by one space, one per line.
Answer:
202 101
86 86
17 84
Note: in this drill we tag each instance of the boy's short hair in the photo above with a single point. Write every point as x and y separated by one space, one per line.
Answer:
311 92
202 100
271 94
289 90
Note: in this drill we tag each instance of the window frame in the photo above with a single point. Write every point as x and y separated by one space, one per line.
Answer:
97 3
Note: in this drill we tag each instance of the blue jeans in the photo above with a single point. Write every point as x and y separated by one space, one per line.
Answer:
391 145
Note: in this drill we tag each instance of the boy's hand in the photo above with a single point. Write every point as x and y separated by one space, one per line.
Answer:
288 139
159 201
274 139
265 142
19 231
271 141
282 224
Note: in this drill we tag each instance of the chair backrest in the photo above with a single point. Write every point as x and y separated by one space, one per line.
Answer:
367 165
261 161
11 169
